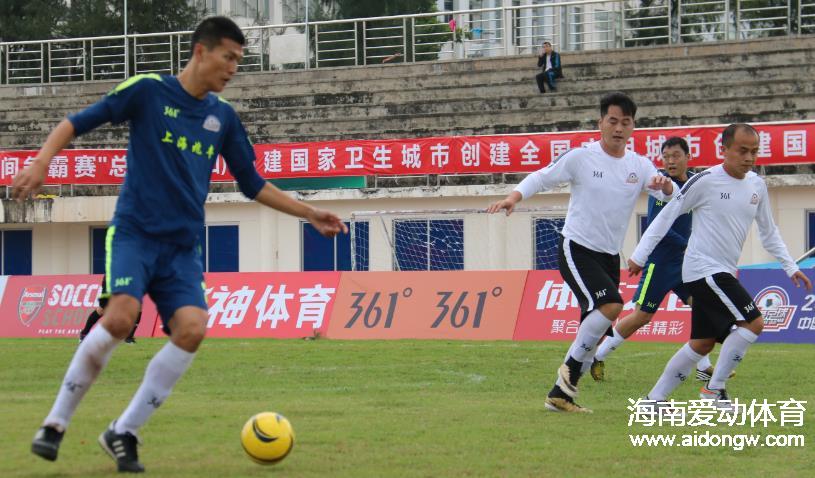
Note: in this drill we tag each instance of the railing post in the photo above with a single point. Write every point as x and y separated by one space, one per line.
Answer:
679 22
798 23
316 46
42 62
622 24
364 43
738 17
509 30
412 40
262 50
172 56
356 45
404 40
308 45
127 58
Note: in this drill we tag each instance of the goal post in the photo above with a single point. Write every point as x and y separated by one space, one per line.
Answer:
455 239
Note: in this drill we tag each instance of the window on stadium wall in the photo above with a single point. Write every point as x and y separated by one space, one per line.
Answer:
220 249
16 252
810 229
428 244
98 249
547 236
320 253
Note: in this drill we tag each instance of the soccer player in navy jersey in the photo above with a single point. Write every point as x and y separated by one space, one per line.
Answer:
177 130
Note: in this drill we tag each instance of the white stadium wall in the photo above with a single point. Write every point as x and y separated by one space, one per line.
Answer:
271 241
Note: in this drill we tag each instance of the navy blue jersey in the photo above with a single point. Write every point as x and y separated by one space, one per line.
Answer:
673 245
175 139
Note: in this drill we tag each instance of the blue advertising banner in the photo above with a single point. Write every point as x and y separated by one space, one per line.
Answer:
789 311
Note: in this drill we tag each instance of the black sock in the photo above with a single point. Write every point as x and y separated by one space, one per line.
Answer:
574 369
92 320
556 392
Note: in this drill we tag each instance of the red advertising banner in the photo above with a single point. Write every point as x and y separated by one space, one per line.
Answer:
427 305
780 143
56 306
549 311
261 304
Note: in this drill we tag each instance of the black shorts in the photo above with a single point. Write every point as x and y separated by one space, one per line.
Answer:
719 301
594 277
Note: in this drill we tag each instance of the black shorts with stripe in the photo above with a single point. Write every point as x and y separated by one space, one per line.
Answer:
719 301
594 277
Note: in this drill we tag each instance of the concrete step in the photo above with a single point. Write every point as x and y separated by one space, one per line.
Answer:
327 106
466 72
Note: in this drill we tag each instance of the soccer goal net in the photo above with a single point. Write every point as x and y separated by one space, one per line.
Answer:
455 239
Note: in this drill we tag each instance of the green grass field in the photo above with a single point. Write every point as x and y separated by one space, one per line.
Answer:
390 408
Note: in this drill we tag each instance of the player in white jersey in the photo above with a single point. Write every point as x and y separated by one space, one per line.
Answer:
725 200
606 179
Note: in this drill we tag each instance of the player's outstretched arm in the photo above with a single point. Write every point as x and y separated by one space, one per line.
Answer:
799 279
662 184
29 180
326 223
507 203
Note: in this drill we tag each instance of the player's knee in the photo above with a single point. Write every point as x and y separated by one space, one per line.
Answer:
756 326
702 347
189 338
188 329
118 323
611 310
643 319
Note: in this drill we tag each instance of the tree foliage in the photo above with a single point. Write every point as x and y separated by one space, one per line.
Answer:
381 8
106 17
22 20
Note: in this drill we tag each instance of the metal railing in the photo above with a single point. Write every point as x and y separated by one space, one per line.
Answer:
517 30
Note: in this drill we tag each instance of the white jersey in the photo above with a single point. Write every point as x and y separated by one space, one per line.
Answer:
723 211
604 190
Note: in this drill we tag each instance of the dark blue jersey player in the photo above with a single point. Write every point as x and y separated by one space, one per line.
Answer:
663 273
177 130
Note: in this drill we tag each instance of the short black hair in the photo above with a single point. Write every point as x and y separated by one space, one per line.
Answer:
729 133
547 43
212 30
676 141
620 99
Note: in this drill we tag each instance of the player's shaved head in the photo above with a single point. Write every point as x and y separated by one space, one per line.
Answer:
729 133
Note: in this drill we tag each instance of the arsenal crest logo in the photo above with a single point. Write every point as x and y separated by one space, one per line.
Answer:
31 301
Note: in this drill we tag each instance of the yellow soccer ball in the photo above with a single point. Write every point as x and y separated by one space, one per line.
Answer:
267 438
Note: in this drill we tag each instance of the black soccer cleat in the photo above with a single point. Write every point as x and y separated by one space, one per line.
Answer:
130 340
123 448
46 442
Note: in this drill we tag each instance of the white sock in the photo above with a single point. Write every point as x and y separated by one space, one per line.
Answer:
733 350
676 371
591 330
610 345
704 364
168 365
89 359
586 366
